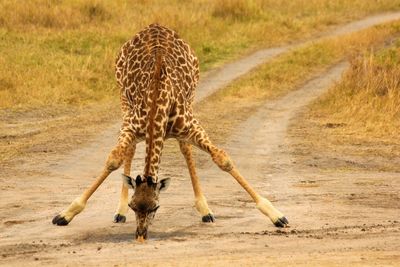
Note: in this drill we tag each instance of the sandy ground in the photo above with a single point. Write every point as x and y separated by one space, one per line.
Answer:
335 218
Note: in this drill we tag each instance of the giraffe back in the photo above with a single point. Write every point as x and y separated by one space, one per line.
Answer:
135 66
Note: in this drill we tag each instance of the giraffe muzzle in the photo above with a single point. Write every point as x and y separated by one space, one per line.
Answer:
141 236
140 239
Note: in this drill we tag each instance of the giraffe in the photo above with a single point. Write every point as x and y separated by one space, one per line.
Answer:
157 73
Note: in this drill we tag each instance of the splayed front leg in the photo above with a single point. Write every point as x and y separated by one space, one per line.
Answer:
77 206
68 214
266 207
199 137
262 204
114 161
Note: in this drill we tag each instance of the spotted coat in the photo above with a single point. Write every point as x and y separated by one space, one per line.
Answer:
157 73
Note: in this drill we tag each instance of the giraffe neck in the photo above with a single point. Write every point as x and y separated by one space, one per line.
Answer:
158 106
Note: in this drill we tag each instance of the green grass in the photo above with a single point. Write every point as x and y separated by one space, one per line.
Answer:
61 53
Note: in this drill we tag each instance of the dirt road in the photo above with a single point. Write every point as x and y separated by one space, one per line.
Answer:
335 218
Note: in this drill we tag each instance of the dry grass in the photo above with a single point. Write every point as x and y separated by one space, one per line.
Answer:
359 118
237 101
62 52
62 57
368 97
220 114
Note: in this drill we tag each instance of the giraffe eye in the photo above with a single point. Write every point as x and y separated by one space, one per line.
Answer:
154 209
132 207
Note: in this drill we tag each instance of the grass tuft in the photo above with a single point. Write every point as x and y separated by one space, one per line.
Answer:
95 11
367 100
237 9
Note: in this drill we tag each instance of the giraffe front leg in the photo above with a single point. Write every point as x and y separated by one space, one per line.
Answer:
262 204
200 201
120 214
114 161
223 161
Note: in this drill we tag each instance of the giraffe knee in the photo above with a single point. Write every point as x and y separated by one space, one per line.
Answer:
222 160
115 160
184 149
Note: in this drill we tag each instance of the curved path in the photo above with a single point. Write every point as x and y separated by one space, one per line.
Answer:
323 219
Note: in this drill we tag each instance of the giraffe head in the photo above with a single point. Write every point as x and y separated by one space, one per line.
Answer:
145 201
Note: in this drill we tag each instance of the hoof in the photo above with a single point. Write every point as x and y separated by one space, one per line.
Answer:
208 218
118 218
281 222
60 220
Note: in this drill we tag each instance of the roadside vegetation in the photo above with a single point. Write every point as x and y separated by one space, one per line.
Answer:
285 73
57 86
359 118
58 53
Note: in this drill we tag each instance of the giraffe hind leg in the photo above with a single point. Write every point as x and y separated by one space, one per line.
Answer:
200 201
120 214
199 138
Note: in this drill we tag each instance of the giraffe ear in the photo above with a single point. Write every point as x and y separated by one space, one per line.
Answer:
127 180
163 184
